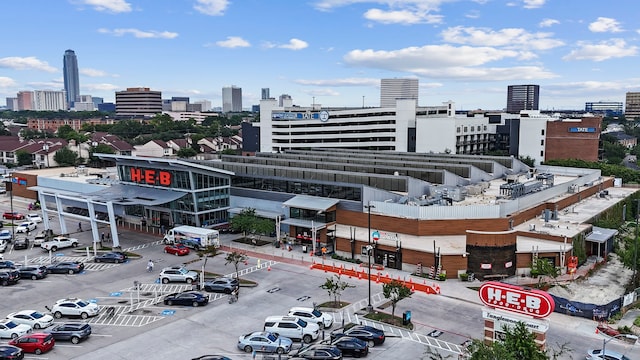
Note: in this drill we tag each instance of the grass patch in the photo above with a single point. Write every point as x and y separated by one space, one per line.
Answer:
211 275
334 305
388 319
250 241
636 322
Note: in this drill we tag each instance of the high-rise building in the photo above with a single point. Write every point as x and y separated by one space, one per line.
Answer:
265 93
138 102
394 89
632 105
12 103
49 100
285 100
71 77
231 99
25 100
205 104
607 108
522 97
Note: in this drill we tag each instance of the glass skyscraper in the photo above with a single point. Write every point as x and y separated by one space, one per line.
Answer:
71 78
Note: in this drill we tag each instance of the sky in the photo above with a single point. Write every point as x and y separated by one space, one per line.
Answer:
328 52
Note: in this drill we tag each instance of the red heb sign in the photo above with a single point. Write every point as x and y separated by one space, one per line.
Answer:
536 303
150 176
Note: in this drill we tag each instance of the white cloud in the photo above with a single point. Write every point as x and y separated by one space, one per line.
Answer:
233 42
406 17
295 44
6 81
55 84
321 92
473 14
140 33
340 82
26 63
548 22
211 7
510 38
604 24
92 72
614 48
100 87
115 6
533 4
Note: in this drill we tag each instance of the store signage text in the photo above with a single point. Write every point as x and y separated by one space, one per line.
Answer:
150 176
535 303
296 116
582 129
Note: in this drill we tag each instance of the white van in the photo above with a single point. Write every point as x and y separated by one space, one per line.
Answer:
292 327
323 320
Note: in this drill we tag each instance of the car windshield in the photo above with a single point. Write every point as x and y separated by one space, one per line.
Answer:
302 323
272 337
316 313
183 271
10 324
36 315
82 303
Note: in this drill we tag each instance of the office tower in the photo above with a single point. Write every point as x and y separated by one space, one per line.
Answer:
205 104
607 108
285 100
231 99
522 97
25 100
393 89
71 78
12 103
265 93
632 105
49 100
138 102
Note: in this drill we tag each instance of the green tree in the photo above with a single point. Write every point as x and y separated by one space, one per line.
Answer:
235 258
245 221
65 157
395 291
24 158
335 286
186 152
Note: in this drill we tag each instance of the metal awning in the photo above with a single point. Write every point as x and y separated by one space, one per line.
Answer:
601 235
123 194
304 223
310 203
259 213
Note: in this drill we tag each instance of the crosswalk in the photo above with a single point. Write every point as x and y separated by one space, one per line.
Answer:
89 265
119 315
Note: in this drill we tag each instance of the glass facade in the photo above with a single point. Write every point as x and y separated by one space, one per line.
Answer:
343 191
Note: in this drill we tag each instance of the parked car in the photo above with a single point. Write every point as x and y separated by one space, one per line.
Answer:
176 249
74 307
9 329
178 273
211 357
323 320
36 343
366 333
13 215
319 352
7 264
26 227
9 276
292 327
36 218
10 352
33 272
3 246
59 242
351 346
35 319
42 236
113 257
6 235
188 298
74 332
66 267
223 285
21 243
608 355
264 341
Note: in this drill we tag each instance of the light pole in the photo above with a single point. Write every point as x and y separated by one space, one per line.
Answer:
369 247
605 341
635 246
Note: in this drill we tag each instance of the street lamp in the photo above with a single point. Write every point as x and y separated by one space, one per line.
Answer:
605 341
369 248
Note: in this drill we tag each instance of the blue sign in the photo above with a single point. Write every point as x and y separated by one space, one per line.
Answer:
298 116
168 312
60 254
375 235
93 301
582 129
117 293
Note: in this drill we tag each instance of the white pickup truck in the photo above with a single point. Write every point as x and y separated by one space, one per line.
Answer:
59 242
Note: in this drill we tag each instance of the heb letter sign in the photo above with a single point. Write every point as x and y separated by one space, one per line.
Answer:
516 299
150 176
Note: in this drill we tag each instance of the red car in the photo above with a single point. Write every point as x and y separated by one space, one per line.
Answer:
176 249
12 215
36 343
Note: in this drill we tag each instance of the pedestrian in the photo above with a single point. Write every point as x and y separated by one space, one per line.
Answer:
253 354
79 226
150 266
102 237
108 237
162 229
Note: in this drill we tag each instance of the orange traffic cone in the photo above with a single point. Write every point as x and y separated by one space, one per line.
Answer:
269 268
597 331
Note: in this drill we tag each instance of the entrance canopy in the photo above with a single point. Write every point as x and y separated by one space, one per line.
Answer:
123 194
310 203
601 235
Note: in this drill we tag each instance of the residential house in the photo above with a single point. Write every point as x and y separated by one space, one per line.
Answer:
153 148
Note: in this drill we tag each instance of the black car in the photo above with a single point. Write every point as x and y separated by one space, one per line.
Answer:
211 357
33 272
112 257
9 276
11 352
224 285
319 352
351 346
188 298
7 264
74 332
22 243
366 333
66 267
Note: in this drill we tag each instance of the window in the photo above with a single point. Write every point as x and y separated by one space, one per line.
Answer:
542 132
458 129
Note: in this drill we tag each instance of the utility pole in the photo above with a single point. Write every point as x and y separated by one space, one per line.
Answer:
369 248
635 247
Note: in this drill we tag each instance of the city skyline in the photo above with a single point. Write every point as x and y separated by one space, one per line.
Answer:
329 52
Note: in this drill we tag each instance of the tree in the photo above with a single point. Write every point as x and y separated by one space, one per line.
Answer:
335 287
186 152
395 291
235 258
24 158
518 344
65 157
245 221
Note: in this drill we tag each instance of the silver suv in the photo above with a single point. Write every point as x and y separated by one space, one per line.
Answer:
179 274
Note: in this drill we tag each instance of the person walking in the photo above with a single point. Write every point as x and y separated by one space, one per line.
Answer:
79 226
108 237
150 266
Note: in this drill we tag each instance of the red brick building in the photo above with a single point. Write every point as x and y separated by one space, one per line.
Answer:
573 139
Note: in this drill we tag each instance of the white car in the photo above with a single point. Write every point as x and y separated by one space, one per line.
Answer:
74 307
59 242
323 320
9 329
26 226
36 320
5 235
36 218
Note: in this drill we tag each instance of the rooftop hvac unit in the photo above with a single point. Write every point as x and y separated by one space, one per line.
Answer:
532 227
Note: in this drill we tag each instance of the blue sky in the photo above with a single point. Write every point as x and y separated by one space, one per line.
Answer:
333 52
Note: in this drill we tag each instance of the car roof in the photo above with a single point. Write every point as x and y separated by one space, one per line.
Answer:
301 308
